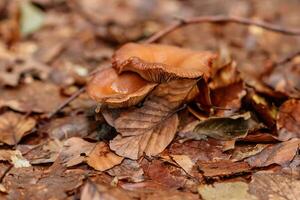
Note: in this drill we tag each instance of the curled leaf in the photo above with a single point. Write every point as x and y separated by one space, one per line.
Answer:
151 128
160 63
124 90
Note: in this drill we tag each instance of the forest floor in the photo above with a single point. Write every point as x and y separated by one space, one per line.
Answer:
238 139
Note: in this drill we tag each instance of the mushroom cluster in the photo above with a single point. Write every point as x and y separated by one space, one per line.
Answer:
138 68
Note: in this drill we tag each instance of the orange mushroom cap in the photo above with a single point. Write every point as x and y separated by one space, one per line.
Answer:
124 90
160 63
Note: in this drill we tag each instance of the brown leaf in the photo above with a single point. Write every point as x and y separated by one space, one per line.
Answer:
13 66
245 151
227 99
165 174
74 151
67 127
129 170
222 168
151 128
36 184
92 191
15 157
281 154
46 152
32 97
101 158
14 126
205 150
271 186
288 120
225 190
160 63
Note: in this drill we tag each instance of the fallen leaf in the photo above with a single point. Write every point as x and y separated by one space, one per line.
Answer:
67 127
222 168
15 157
14 126
223 128
129 170
281 154
226 190
36 184
184 162
165 174
227 99
210 150
151 128
31 18
74 151
288 120
271 186
46 152
245 151
101 158
32 97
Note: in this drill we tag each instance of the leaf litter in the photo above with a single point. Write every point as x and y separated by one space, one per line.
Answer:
206 113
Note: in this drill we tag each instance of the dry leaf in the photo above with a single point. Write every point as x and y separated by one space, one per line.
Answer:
101 158
124 90
269 186
35 184
46 152
129 170
223 128
222 168
14 157
165 174
184 162
160 63
74 151
92 191
281 154
151 128
67 127
34 97
209 150
245 151
14 126
227 99
288 120
226 191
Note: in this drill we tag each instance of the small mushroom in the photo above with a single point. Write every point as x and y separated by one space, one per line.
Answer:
161 63
116 91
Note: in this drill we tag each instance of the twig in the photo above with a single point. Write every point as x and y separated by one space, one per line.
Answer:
287 59
273 65
222 19
65 103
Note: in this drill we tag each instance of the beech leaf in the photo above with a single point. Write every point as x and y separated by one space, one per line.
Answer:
14 126
223 128
151 128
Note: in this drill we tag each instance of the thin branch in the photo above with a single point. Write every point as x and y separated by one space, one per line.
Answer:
66 102
287 59
222 19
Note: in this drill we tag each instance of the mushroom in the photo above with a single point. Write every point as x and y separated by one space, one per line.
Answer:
161 63
118 90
